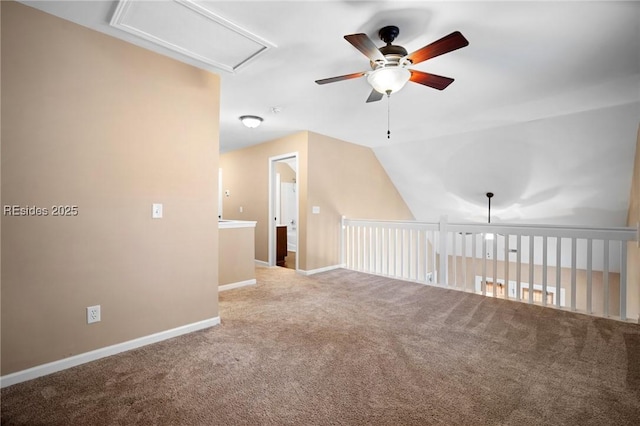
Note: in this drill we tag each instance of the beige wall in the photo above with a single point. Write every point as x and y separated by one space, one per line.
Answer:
236 260
92 121
339 177
344 179
287 174
633 219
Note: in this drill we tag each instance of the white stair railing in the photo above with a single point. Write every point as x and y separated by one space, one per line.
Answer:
577 268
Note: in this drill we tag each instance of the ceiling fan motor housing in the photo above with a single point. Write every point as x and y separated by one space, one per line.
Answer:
389 75
392 53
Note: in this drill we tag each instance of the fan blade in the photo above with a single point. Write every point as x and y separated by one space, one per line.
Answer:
374 96
363 43
446 44
340 78
431 80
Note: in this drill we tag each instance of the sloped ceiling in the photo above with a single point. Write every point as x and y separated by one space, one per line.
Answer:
544 111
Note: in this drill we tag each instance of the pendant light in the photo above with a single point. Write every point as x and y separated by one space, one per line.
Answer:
489 235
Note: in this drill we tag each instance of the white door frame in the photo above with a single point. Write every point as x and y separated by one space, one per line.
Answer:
273 189
220 196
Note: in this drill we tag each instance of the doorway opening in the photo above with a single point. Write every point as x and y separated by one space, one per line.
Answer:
283 210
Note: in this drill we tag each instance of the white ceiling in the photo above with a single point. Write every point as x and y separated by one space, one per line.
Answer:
544 111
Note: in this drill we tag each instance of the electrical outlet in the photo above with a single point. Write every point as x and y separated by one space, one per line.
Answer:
93 314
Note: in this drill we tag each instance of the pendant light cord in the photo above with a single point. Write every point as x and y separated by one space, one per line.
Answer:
489 196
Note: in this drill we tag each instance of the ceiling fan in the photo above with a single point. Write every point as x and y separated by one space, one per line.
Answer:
389 64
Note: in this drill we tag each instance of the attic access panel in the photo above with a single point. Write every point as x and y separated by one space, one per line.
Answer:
187 27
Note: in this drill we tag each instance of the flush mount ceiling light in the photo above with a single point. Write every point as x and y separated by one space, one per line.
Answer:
251 121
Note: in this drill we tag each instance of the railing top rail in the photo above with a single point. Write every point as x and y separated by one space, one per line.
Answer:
620 234
562 231
392 223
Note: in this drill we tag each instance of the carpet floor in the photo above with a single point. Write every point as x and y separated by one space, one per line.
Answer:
346 348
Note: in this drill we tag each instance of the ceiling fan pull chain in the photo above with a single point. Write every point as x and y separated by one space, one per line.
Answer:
388 114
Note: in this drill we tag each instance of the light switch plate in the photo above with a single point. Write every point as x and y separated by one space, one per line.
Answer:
315 210
156 212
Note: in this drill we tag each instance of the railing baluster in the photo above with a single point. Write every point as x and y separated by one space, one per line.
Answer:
397 249
484 265
418 257
623 280
352 248
531 267
464 261
494 243
362 248
519 267
442 240
388 245
558 269
454 259
589 276
376 251
474 251
426 254
506 266
379 249
372 245
402 253
573 273
434 269
409 253
345 241
544 271
358 249
366 259
368 248
392 249
605 278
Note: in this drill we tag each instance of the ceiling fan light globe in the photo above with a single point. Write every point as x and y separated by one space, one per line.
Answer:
389 80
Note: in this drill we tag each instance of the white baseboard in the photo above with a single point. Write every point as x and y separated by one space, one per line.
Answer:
236 285
317 271
63 364
261 263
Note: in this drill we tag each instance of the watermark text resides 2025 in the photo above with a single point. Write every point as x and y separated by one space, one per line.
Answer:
36 211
